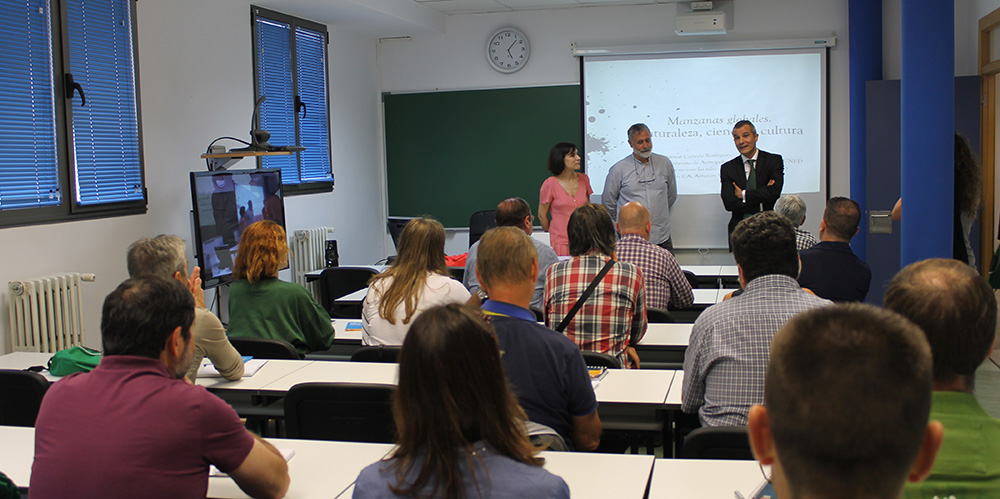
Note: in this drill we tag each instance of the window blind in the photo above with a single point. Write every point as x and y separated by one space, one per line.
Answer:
314 135
105 131
274 80
28 160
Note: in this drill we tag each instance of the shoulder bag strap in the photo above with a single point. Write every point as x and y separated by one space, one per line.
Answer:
586 294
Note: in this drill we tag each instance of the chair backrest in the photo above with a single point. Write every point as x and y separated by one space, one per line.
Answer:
348 412
264 348
21 395
479 223
335 282
658 316
539 314
597 359
692 279
722 442
376 353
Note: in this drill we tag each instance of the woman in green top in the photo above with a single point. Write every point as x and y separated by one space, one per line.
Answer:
263 306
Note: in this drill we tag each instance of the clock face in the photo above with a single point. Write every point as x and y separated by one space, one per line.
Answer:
508 50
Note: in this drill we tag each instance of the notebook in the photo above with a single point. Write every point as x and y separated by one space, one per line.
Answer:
250 367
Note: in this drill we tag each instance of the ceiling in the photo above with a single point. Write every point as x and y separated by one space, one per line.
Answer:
393 18
478 6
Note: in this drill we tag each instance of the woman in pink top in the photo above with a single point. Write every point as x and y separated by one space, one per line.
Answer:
562 193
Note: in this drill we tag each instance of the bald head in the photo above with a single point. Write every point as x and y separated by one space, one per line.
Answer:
514 212
955 308
633 218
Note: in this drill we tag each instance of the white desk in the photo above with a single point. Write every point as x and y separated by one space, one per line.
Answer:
272 371
323 469
674 335
22 360
705 296
336 372
342 335
354 298
704 478
673 400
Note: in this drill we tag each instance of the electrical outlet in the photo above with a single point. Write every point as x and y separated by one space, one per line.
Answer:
696 6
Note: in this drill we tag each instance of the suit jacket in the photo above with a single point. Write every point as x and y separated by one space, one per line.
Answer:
769 167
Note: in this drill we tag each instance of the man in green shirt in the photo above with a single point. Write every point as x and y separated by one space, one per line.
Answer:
957 311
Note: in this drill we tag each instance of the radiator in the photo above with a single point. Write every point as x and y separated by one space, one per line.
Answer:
308 253
46 313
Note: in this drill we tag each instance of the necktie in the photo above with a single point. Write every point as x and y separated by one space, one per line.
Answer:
751 182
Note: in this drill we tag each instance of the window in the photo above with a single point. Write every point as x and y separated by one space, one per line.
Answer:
70 140
291 73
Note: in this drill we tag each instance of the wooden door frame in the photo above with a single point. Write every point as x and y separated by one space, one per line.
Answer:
988 69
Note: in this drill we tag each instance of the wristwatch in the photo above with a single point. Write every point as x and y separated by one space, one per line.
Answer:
481 294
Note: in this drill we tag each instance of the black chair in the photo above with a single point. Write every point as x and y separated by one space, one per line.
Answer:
479 223
335 282
692 279
377 353
539 315
597 359
21 395
658 316
349 412
263 348
722 442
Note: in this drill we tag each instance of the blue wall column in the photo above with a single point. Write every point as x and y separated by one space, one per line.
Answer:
927 103
865 43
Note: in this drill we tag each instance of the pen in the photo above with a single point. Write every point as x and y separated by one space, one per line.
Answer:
738 495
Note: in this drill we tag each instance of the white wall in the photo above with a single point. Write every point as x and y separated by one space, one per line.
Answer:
196 84
455 59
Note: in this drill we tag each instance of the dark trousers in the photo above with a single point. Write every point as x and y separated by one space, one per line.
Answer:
668 244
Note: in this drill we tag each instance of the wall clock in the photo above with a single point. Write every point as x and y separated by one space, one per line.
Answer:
507 50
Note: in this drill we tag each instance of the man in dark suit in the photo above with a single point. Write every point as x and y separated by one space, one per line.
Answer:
751 182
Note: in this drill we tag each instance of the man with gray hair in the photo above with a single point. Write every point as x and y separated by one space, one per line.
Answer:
644 177
163 255
794 209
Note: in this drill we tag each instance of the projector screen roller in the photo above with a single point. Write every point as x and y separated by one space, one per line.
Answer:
690 102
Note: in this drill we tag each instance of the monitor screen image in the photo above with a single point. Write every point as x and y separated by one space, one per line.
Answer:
225 203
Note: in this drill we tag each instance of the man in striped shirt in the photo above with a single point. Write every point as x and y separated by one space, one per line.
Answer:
665 281
726 359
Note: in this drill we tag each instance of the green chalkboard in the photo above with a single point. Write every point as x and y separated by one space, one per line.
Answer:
450 154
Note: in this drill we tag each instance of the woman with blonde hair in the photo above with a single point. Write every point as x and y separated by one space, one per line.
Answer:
461 431
263 306
417 281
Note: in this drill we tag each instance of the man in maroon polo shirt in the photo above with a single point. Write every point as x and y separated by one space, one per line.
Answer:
133 427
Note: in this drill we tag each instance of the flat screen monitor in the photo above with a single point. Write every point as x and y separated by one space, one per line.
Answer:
225 203
396 226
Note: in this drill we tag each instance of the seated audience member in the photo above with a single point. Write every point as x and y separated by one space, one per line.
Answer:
727 356
461 432
132 427
665 281
794 209
514 212
164 255
545 369
957 311
417 281
847 398
830 269
263 306
613 317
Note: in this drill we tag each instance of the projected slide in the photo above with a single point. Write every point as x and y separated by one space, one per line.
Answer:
690 103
